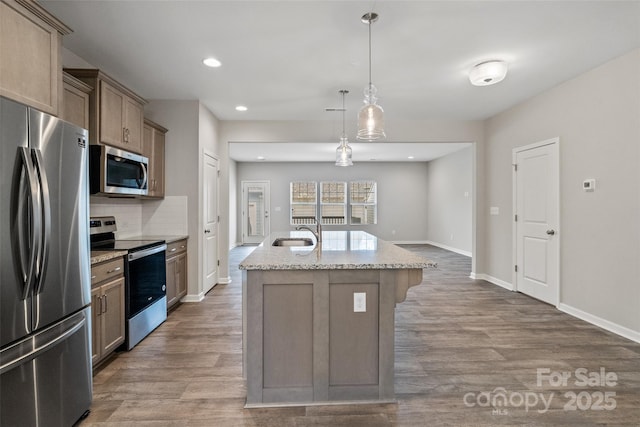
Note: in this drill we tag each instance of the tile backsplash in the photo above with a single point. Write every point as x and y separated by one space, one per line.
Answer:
128 214
165 217
150 217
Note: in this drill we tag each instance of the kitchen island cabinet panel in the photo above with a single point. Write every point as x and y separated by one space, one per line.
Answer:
288 358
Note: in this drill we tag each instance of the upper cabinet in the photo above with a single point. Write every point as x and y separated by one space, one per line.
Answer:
75 101
30 52
153 148
116 113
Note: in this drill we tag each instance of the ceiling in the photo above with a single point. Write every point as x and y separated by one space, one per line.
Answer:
286 60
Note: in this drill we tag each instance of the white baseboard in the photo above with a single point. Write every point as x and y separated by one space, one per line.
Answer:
493 280
600 322
449 248
192 298
409 242
224 280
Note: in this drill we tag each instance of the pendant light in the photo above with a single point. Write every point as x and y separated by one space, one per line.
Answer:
371 115
343 152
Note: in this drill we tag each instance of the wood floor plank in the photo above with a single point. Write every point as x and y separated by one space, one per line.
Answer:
456 338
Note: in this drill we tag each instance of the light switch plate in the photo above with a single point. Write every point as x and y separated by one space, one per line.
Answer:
359 302
494 210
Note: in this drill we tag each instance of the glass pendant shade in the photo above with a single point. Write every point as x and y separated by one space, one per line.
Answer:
371 117
343 153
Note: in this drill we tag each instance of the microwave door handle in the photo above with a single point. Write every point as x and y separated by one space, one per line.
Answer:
18 223
45 218
144 179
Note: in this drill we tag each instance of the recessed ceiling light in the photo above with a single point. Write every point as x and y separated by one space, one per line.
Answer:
260 157
410 157
241 108
211 62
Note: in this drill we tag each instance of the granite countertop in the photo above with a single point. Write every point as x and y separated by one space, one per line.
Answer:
339 250
101 256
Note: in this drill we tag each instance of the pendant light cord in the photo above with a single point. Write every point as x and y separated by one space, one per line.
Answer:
370 53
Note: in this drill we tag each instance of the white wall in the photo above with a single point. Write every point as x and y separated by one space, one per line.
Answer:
402 200
597 118
449 189
181 169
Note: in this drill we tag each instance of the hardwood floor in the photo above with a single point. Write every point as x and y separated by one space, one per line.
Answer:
459 343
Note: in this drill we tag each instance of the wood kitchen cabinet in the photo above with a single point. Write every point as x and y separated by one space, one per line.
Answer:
75 101
115 112
30 55
176 271
153 148
107 308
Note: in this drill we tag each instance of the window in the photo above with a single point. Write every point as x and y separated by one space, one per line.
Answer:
363 202
333 203
304 196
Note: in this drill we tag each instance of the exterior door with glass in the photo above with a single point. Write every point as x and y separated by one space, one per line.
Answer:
255 211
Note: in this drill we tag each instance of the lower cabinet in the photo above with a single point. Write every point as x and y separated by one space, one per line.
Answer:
176 272
107 307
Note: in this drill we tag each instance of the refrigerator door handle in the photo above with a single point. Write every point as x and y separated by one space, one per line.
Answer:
18 217
46 221
13 360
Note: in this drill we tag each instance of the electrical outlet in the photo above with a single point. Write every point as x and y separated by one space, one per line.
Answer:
359 302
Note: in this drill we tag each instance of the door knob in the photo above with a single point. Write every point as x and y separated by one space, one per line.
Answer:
551 232
207 231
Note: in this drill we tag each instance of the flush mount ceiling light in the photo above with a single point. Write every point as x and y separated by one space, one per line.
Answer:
488 73
343 152
371 115
211 62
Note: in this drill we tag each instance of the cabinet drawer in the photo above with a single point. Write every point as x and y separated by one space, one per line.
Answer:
176 247
107 270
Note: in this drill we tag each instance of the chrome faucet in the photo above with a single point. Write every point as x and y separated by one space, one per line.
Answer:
317 233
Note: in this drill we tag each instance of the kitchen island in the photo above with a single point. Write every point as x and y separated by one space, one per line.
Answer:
318 321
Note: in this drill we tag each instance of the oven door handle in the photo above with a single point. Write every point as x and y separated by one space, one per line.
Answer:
146 252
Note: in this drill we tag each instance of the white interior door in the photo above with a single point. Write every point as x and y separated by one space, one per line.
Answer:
536 220
210 217
255 211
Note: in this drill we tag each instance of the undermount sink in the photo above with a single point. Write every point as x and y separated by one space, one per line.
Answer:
292 241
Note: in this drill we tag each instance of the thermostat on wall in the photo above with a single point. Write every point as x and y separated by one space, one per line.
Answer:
589 184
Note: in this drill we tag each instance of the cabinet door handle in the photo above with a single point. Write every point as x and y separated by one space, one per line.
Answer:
114 270
172 250
98 307
125 135
93 277
106 307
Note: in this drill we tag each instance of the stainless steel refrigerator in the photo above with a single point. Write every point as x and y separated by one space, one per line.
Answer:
45 287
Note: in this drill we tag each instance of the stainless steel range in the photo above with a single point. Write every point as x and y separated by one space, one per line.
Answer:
145 278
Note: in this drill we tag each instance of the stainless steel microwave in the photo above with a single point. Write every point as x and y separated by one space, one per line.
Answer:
117 172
